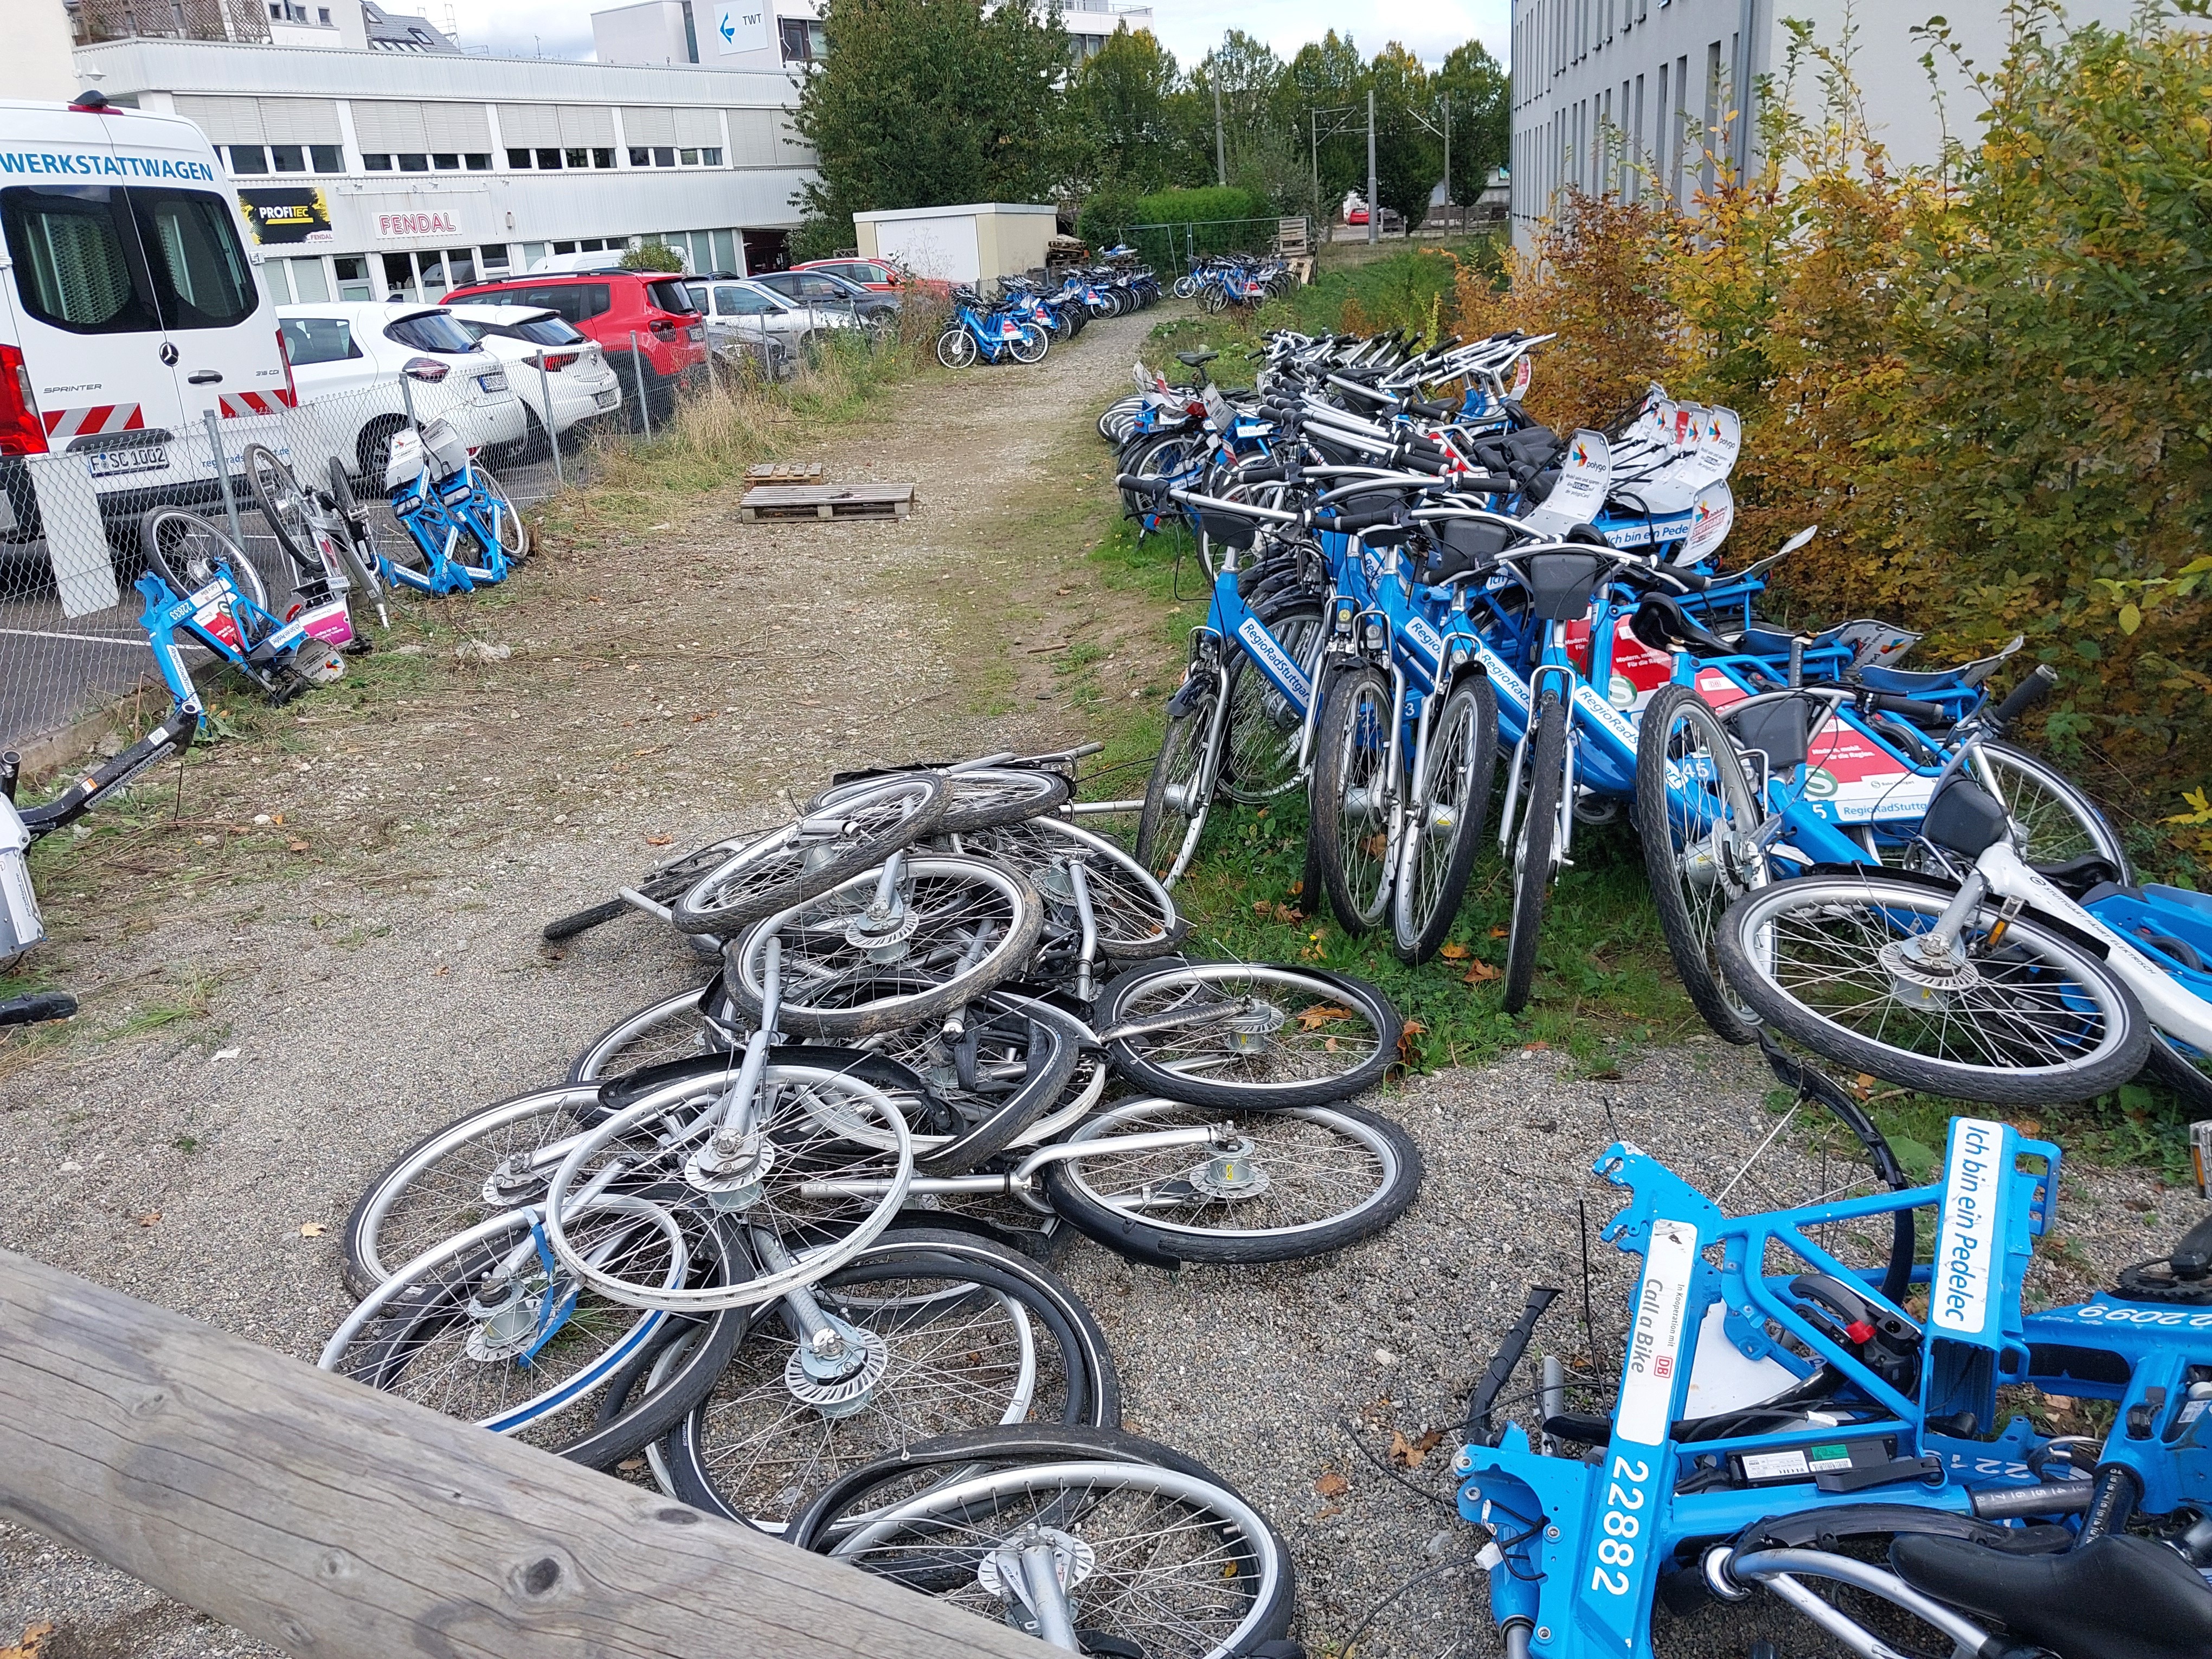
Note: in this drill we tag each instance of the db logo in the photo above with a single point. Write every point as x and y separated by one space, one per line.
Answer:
1664 1366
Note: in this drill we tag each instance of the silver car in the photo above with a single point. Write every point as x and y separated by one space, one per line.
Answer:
741 314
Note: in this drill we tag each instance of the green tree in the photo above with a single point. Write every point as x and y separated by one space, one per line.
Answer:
1408 160
925 103
1482 114
1122 106
1329 75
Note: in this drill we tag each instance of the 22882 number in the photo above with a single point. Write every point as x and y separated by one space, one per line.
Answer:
1621 1524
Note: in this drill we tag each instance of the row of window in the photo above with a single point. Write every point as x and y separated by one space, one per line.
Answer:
253 161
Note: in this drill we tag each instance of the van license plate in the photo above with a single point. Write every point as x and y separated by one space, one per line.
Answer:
146 457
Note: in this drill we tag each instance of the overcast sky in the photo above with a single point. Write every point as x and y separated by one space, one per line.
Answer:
562 28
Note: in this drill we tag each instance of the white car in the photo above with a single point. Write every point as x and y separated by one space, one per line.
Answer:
578 381
349 360
740 312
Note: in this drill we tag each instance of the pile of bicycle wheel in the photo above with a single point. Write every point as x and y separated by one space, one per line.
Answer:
785 1238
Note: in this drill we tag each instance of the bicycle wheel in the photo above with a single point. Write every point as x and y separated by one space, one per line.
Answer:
664 884
1536 846
2062 822
956 348
1695 813
1131 912
1176 794
1148 1560
2026 1018
1443 834
1031 345
981 799
940 1331
500 520
685 1026
809 858
1170 455
1007 1064
188 552
856 961
284 507
1352 807
484 1328
2181 1068
1248 1036
1293 1184
1261 745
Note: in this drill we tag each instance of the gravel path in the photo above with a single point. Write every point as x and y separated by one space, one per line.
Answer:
266 1024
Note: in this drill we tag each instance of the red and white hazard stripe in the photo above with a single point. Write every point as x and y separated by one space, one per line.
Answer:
253 403
63 424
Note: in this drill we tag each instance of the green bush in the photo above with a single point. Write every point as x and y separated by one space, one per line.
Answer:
1218 219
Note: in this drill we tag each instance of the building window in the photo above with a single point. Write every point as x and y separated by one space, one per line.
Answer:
564 247
495 256
664 155
246 158
414 162
446 160
352 272
578 158
688 157
517 158
376 161
287 158
711 157
804 41
549 158
326 158
603 158
322 15
479 161
640 158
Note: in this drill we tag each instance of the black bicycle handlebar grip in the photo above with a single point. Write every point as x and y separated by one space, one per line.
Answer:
1348 523
1274 472
1911 709
1435 465
39 1006
1482 484
1434 411
2025 696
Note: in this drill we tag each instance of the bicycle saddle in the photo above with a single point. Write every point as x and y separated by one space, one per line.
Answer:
1192 359
1661 624
1463 547
2111 1598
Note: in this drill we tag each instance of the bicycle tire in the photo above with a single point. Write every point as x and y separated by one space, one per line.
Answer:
1328 997
1141 1232
882 1001
1173 817
1352 758
2081 827
982 798
266 477
1722 792
877 826
584 921
163 532
1050 1044
1532 845
1261 741
1090 1395
2070 986
675 1027
504 512
956 349
1468 724
2188 1075
1135 917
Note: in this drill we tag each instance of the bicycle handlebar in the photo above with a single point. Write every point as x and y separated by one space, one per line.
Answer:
2025 696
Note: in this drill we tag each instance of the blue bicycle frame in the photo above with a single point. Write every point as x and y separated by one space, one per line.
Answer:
446 521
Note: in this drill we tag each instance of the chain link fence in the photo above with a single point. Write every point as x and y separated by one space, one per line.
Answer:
71 640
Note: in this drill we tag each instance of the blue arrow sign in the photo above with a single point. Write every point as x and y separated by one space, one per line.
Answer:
728 32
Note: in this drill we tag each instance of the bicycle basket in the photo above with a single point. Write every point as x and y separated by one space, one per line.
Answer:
445 451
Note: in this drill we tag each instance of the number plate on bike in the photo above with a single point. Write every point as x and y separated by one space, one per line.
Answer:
109 463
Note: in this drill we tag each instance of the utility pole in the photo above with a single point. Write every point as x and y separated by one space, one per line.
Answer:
1448 195
1220 154
1374 207
1314 115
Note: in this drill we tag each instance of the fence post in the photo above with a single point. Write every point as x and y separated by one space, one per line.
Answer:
223 476
637 365
552 433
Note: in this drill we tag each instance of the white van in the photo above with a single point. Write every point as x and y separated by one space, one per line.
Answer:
128 306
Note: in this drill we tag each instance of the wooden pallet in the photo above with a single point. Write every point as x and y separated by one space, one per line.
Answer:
784 472
826 502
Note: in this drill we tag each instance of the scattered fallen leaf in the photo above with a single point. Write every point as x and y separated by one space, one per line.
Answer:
277 817
151 1219
1316 1015
1332 1484
1454 952
1479 973
630 1465
311 1229
33 1636
1863 1084
1407 1453
1501 933
1406 1033
1611 1074
1536 1047
299 845
1298 888
658 841
442 969
1329 1045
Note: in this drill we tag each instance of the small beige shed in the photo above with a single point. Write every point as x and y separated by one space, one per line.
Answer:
970 244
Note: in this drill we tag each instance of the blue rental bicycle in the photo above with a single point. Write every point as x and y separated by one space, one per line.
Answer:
462 532
991 333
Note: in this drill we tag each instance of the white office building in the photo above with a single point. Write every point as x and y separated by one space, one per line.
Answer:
1608 94
370 158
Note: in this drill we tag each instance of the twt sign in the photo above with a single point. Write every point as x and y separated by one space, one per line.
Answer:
741 27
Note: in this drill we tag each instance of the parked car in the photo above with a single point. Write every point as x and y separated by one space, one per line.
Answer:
87 363
350 357
740 311
579 383
819 289
643 320
876 274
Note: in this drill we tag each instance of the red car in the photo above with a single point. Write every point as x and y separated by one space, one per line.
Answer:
876 274
616 308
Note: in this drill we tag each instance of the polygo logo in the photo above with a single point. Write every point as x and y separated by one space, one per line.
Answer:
1581 456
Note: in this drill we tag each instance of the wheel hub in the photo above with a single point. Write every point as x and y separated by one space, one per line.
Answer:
1443 817
1928 982
1000 1573
1252 1030
731 1168
514 1183
1230 1174
505 1320
837 1372
880 931
1054 886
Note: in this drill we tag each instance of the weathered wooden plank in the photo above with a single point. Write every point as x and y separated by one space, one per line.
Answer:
784 472
337 1522
825 502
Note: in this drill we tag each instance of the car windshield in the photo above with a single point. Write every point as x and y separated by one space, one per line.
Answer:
737 300
433 331
541 330
670 296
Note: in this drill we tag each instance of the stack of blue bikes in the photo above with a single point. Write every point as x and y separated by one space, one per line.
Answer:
201 591
1416 588
1020 325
